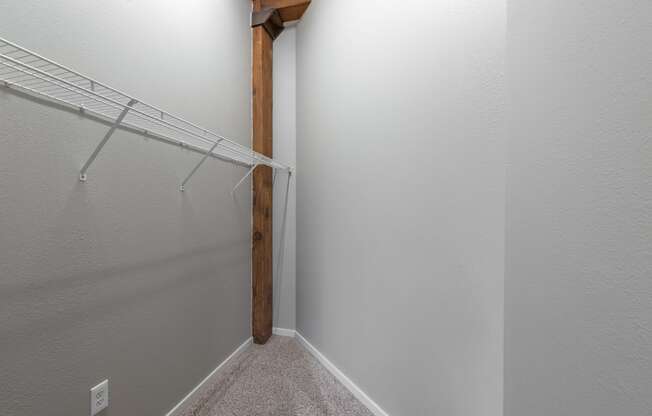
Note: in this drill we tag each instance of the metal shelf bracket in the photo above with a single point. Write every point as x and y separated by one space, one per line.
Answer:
203 159
107 136
237 185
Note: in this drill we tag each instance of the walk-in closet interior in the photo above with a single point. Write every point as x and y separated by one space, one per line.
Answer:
325 208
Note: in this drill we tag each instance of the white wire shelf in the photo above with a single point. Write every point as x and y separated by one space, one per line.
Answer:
27 71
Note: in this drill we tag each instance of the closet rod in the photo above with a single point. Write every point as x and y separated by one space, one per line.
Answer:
35 74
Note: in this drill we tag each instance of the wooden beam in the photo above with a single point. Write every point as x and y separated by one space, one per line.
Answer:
282 4
262 251
289 10
270 19
267 23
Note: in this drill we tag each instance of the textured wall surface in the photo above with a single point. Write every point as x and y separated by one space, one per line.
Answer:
285 132
400 199
578 273
123 277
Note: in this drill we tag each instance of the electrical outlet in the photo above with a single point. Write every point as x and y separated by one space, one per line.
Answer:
99 397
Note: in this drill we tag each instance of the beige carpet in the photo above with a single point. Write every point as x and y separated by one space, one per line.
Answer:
277 379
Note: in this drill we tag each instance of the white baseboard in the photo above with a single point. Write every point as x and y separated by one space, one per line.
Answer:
350 385
186 401
282 332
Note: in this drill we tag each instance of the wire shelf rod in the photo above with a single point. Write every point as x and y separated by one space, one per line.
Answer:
263 159
74 89
82 91
47 78
154 135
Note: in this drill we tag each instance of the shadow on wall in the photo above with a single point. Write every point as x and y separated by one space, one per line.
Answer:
64 285
96 292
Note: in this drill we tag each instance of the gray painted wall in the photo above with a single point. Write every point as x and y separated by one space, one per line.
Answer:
285 132
578 288
400 199
123 277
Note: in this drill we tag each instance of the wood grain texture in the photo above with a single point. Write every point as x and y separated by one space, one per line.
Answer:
270 19
281 4
289 9
262 247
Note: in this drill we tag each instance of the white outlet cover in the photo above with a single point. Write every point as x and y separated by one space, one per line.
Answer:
99 397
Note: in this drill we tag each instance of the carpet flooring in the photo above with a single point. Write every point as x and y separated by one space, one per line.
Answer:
279 378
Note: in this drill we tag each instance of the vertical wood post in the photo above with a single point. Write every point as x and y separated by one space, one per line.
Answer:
267 21
262 250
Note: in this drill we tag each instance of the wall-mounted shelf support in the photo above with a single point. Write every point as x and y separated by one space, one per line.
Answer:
107 136
197 166
237 185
